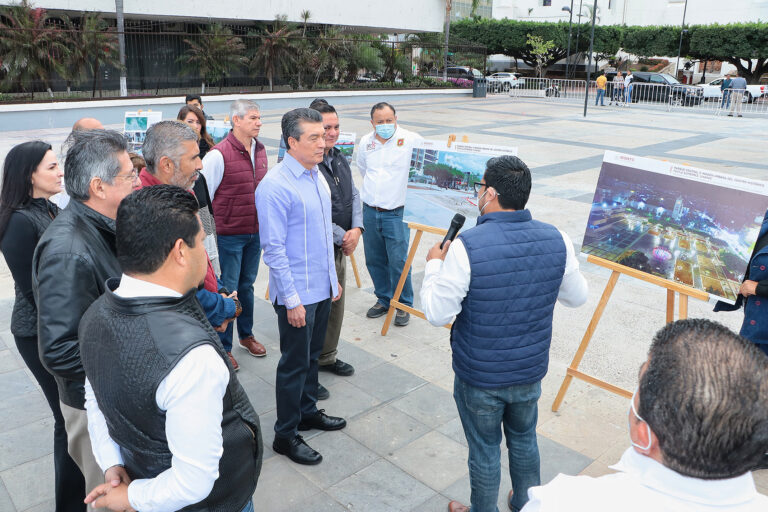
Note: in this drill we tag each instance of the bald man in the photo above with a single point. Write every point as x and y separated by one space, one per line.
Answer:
87 123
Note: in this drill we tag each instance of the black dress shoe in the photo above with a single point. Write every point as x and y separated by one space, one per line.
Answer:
322 393
322 421
297 450
339 367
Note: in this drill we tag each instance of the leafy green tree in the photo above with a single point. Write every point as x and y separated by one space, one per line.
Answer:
745 45
89 49
540 50
213 55
29 47
651 41
276 50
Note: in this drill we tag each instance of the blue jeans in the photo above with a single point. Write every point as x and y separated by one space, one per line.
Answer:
248 507
483 412
600 97
628 94
239 260
726 101
386 239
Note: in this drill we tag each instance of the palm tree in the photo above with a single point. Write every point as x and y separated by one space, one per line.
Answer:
119 12
28 47
448 9
276 49
213 55
305 16
98 43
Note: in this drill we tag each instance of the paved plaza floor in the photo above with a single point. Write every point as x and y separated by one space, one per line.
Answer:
403 448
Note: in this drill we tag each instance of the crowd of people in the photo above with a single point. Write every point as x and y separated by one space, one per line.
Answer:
129 288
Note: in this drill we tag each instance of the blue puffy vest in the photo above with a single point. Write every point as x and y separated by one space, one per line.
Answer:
502 335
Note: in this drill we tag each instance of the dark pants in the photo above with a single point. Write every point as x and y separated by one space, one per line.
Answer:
296 380
333 331
239 261
483 413
70 484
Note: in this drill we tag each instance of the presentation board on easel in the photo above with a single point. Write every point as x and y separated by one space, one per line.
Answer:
440 184
689 231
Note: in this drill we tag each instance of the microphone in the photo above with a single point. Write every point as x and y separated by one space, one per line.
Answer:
456 224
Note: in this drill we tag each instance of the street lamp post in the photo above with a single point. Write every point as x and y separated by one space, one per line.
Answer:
589 67
680 46
578 31
570 26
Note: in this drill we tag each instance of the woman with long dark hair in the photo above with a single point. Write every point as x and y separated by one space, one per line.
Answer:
195 118
31 175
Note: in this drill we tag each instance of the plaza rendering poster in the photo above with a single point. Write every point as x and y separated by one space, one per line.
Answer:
136 125
680 223
441 181
345 143
217 129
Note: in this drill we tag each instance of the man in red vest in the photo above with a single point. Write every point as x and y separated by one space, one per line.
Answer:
233 170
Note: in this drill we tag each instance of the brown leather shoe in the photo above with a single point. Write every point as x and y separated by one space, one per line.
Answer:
235 366
455 506
253 347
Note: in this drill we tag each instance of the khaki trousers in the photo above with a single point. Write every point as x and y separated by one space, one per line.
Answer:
333 331
736 98
79 446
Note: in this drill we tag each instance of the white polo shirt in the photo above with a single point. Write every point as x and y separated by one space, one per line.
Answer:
385 167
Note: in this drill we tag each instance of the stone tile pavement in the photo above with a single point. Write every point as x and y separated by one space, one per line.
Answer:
404 448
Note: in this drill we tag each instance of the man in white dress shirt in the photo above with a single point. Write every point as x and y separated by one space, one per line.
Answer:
384 161
162 398
500 280
698 424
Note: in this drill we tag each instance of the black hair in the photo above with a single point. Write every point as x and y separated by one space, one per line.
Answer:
512 180
380 105
704 394
291 122
322 106
193 97
20 163
149 222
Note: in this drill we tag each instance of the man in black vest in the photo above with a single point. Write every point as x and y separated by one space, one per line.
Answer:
162 397
347 219
500 280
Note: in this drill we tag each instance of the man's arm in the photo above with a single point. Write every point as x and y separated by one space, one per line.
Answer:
273 207
192 398
60 310
362 166
573 289
446 283
213 170
217 308
105 450
357 208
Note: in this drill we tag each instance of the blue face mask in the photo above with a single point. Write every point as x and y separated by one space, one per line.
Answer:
385 131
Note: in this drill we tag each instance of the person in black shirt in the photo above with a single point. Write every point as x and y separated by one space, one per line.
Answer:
32 175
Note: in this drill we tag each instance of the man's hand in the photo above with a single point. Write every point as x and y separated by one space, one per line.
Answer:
232 295
338 295
350 240
223 326
748 288
297 317
116 475
436 252
113 498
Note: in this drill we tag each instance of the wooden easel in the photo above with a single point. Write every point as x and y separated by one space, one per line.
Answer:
671 287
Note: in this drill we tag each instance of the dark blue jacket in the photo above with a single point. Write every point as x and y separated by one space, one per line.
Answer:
502 335
217 308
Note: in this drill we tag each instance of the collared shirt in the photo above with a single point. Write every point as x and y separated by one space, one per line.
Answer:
192 397
739 83
446 283
384 167
213 168
644 484
294 208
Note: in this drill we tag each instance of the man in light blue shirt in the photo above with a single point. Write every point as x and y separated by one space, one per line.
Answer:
293 203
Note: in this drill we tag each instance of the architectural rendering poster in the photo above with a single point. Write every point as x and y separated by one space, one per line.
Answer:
218 129
345 143
680 223
441 181
136 125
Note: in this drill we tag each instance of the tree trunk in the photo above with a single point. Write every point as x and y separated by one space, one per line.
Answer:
121 46
752 75
448 7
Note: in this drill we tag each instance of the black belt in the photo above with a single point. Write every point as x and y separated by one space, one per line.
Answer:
382 209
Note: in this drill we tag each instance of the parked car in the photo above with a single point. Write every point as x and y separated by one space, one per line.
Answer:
502 82
712 91
647 86
464 72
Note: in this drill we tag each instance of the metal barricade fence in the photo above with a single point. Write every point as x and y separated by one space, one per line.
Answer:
737 102
566 90
528 87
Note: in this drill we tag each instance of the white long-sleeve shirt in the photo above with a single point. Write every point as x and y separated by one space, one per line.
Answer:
384 167
192 397
446 283
213 168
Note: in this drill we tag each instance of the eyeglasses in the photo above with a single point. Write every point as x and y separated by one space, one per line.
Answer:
479 184
129 177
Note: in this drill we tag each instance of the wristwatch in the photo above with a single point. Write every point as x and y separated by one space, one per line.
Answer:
238 307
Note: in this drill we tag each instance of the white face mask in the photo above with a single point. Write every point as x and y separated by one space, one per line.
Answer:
481 198
634 411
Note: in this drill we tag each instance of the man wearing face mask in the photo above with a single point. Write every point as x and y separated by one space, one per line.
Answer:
383 159
698 424
500 281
